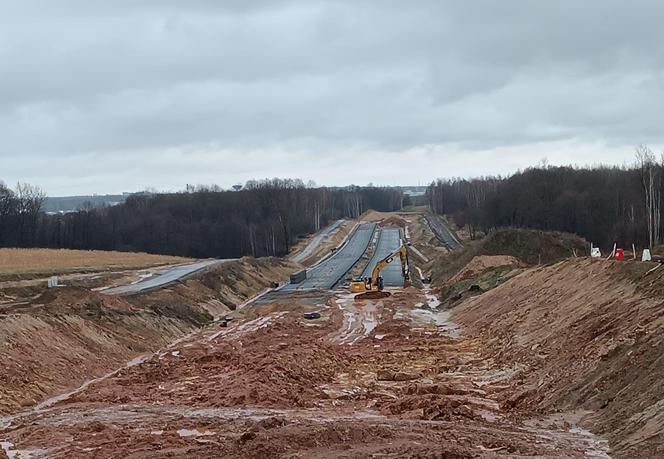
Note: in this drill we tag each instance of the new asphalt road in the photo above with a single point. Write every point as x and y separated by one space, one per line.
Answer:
389 240
442 232
167 277
315 241
328 273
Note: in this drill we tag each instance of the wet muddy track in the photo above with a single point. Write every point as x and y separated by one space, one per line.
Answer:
366 379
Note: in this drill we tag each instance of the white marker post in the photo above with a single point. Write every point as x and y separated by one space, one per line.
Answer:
646 255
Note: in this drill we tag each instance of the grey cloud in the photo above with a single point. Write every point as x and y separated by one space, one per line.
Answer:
91 79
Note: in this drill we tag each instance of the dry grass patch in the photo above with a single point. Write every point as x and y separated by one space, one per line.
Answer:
48 261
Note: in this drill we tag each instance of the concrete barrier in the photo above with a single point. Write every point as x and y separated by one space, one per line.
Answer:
298 277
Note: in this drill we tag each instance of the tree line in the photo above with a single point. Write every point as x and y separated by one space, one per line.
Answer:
19 214
602 204
261 218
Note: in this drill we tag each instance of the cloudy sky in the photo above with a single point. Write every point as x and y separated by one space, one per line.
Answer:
109 96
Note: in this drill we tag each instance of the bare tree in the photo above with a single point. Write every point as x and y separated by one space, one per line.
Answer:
650 173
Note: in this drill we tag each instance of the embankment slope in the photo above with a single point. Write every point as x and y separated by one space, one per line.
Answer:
62 337
583 334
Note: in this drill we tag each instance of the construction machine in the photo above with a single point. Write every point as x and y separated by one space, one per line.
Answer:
372 287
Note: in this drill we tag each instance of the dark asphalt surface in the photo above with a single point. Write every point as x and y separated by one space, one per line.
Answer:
174 274
442 232
389 240
308 250
328 273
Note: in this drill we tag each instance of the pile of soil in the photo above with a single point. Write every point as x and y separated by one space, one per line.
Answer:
481 274
393 221
374 216
266 366
81 298
482 263
530 247
585 334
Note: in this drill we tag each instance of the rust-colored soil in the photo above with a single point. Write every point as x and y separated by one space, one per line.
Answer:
381 378
52 340
563 360
583 334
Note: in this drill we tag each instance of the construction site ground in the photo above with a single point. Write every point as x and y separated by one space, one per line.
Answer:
531 360
390 378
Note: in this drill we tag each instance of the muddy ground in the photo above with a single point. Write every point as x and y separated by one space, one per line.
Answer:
493 359
382 378
54 339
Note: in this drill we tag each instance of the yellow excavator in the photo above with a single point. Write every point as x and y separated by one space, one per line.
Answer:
372 287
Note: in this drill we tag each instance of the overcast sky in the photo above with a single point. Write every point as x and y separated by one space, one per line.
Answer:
110 96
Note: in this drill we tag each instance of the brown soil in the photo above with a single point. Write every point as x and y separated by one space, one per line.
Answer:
583 334
393 221
548 352
481 274
57 338
368 379
47 349
530 247
482 263
374 216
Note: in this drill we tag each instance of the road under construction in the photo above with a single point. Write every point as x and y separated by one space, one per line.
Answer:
308 370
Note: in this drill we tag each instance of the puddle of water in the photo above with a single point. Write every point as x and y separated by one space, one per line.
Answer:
259 414
551 428
440 319
12 453
194 433
597 448
249 326
359 320
142 277
432 300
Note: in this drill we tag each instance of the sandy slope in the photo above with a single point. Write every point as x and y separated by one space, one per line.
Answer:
587 335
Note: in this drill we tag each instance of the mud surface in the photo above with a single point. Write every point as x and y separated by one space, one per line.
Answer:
381 378
52 340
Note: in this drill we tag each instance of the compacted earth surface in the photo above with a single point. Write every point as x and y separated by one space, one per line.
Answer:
375 378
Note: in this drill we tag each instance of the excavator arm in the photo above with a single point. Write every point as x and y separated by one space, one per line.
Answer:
402 252
375 282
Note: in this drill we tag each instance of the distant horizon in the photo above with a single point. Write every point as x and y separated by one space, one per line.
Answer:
627 162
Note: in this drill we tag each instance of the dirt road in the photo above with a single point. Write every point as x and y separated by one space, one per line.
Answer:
383 378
